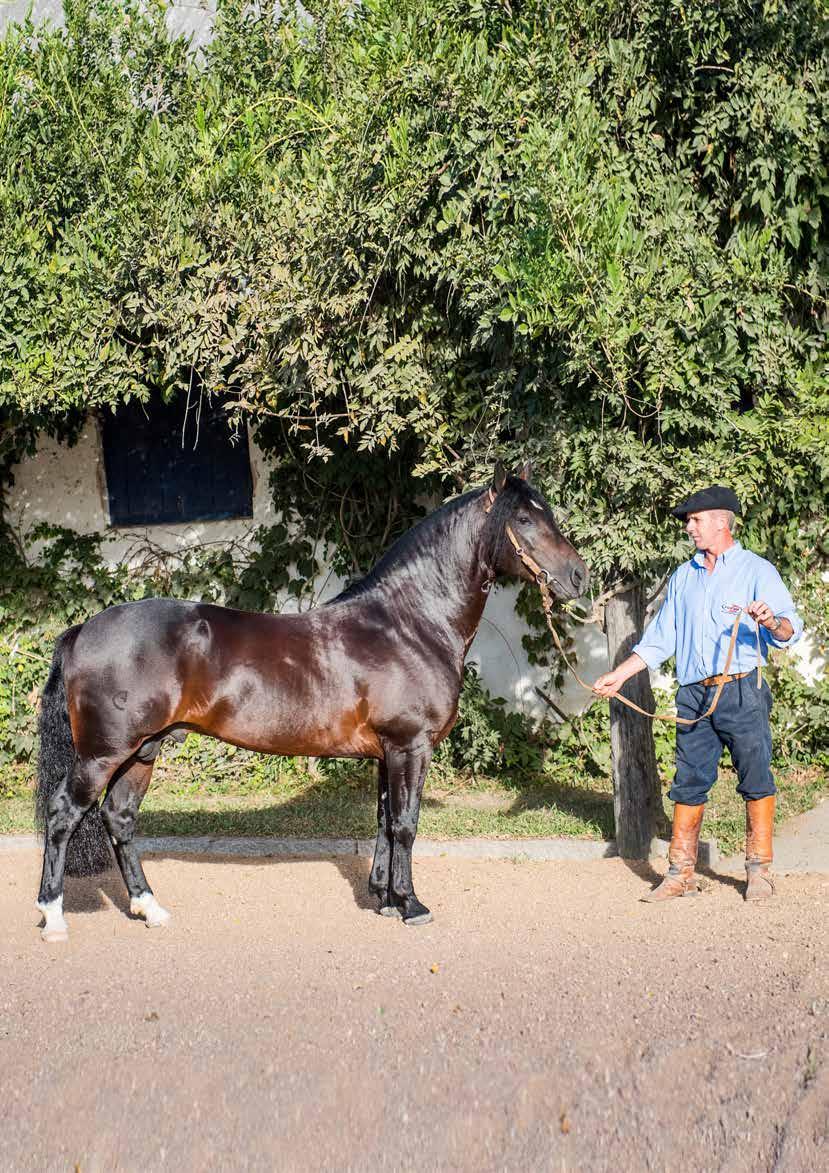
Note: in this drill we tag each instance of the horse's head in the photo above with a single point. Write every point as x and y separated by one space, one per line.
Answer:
520 516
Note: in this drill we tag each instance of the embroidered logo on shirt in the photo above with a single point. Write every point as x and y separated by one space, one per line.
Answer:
731 608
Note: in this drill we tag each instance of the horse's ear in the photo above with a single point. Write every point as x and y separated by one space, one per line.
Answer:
500 477
526 472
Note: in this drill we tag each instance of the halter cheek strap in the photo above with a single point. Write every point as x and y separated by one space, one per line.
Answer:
489 573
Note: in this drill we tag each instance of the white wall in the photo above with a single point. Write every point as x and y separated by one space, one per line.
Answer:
65 485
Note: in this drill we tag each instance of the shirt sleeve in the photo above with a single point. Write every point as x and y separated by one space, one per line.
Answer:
772 590
659 639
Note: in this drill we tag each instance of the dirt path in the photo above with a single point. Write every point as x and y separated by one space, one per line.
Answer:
546 1020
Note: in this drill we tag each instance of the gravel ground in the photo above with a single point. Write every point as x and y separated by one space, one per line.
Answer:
546 1020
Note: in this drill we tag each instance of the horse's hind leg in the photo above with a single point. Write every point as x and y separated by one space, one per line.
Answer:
380 877
119 812
71 798
61 817
406 774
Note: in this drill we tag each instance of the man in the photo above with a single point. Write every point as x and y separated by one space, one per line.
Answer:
694 623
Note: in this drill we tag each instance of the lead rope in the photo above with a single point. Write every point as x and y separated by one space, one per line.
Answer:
541 577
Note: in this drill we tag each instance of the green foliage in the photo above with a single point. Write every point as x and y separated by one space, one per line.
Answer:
488 738
581 744
435 228
800 717
404 235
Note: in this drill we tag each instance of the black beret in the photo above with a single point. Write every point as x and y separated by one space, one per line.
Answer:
714 497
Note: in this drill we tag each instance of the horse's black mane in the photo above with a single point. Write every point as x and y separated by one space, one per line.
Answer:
423 536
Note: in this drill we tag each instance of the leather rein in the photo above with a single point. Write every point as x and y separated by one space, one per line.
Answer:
542 579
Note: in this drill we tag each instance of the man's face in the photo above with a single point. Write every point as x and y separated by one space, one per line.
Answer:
705 527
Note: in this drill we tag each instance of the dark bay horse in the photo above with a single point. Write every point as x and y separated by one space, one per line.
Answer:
375 673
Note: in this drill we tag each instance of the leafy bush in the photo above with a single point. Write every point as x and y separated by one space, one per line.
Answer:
800 716
594 231
581 744
487 737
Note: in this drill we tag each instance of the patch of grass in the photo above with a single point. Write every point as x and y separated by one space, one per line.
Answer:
16 816
199 789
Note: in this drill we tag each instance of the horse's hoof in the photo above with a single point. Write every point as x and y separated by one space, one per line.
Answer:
390 910
146 906
54 928
420 918
54 936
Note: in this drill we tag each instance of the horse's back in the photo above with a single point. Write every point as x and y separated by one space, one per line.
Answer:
142 619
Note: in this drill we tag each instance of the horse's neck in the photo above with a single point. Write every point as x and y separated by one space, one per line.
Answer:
451 583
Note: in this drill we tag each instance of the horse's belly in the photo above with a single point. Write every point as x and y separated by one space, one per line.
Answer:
274 722
315 743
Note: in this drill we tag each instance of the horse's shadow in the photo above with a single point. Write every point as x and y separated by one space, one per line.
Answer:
83 894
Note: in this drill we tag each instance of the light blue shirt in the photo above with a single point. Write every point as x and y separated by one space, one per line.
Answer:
695 621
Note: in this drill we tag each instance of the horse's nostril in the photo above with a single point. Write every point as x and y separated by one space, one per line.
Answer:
577 577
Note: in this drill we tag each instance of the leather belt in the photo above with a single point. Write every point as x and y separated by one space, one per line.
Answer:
722 679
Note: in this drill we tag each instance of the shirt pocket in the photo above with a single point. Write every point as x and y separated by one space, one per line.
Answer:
724 610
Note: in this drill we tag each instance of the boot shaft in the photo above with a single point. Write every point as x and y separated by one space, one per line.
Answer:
759 829
682 854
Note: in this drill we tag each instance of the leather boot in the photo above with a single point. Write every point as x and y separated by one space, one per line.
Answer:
759 824
682 855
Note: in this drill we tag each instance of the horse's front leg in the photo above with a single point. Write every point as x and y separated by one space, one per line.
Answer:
380 878
406 772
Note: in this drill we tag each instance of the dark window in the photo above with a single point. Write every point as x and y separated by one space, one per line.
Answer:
165 463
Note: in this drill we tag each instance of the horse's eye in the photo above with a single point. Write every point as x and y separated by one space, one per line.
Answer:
523 519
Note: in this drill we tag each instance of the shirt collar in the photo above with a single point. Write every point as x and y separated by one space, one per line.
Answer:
698 558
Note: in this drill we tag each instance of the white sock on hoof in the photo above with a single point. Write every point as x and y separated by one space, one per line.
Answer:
56 928
147 906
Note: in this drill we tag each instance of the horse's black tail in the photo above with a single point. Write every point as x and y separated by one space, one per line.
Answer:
88 851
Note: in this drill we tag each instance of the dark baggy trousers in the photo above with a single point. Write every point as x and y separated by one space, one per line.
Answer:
740 722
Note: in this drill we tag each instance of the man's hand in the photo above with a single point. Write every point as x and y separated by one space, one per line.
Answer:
611 682
762 612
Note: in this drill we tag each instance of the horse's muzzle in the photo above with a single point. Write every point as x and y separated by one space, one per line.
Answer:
571 587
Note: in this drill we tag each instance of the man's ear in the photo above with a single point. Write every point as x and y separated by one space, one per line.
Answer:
500 477
526 472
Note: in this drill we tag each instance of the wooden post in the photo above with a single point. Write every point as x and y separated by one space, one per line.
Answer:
637 796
